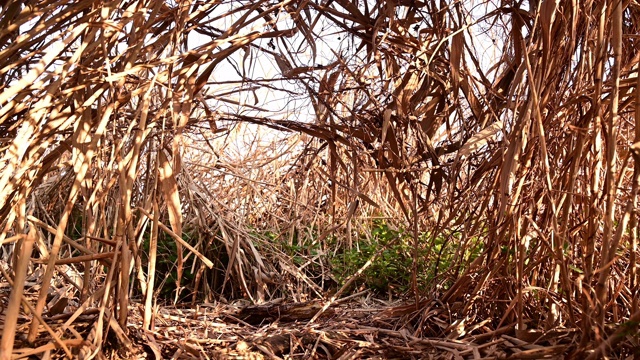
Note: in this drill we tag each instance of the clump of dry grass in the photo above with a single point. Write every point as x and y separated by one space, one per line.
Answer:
126 124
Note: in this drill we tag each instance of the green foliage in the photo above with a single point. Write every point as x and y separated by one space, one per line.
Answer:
390 271
629 328
74 229
166 260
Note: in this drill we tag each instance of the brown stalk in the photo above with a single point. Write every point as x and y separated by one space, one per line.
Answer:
609 242
13 309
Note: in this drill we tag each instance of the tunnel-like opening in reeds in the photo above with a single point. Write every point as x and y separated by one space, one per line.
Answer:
476 160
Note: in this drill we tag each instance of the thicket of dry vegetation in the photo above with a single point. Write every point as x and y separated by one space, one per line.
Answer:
479 160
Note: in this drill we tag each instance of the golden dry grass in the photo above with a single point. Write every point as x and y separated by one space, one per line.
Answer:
513 126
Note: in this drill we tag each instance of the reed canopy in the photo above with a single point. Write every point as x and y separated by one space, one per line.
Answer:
156 152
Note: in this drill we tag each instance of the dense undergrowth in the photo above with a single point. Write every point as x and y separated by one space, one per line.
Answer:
329 265
482 155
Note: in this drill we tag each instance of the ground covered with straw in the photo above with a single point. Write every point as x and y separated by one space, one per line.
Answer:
359 326
333 179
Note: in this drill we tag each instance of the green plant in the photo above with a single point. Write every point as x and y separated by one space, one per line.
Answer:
166 271
390 271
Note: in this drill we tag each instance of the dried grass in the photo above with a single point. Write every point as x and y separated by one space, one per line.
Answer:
123 124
